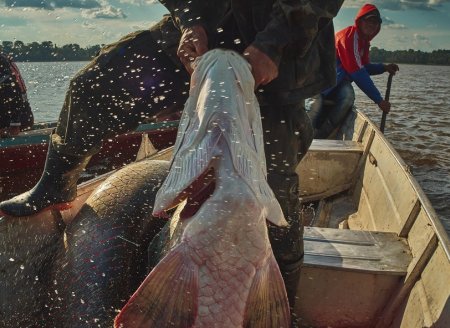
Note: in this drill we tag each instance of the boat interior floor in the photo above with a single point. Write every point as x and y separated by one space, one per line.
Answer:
331 212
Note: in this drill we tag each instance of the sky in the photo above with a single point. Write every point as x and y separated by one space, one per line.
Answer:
407 24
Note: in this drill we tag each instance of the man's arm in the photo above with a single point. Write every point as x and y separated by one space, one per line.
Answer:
375 69
190 17
294 23
365 83
379 68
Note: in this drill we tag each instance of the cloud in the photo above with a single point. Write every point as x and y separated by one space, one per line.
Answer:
420 40
387 20
52 4
391 25
140 2
89 26
395 27
107 12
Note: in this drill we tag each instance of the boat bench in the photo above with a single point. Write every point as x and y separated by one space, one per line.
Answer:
328 145
328 168
364 266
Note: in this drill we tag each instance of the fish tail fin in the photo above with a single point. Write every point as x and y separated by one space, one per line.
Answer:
267 304
169 294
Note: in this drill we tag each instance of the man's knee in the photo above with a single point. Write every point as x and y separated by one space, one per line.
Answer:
346 95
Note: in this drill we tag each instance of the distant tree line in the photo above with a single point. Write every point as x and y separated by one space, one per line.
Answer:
47 51
436 57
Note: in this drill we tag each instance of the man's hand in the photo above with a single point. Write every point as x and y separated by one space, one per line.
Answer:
193 43
391 68
385 106
264 69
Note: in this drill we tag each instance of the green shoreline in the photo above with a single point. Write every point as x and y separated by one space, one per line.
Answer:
48 52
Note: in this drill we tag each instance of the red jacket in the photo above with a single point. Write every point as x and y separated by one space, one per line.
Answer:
352 54
352 50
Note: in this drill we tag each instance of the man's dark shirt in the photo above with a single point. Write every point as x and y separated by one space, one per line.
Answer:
296 35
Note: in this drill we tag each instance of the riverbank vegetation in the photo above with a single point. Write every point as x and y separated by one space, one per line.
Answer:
436 57
48 51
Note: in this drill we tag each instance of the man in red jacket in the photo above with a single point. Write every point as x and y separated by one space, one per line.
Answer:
353 65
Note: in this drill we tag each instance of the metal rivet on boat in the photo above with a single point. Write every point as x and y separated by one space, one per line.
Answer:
373 160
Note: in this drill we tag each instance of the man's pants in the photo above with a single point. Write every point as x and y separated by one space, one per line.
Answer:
332 107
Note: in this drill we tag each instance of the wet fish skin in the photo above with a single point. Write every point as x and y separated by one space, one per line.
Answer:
28 247
220 270
105 254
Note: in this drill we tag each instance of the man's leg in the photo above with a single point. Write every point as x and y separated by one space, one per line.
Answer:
314 108
342 99
287 136
126 83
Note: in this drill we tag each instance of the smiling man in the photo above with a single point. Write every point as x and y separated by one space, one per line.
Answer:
353 65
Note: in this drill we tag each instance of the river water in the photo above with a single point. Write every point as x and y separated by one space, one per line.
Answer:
418 125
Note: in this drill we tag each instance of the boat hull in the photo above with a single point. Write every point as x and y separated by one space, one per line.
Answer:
23 157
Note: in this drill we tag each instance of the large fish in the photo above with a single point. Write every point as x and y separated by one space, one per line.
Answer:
81 275
105 255
220 270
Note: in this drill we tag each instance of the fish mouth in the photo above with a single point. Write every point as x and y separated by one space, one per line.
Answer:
197 193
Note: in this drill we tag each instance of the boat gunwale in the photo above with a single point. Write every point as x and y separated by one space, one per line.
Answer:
40 136
438 227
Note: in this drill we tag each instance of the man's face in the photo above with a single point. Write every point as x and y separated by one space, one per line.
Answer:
369 26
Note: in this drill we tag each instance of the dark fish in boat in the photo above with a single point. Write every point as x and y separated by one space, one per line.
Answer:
220 270
105 255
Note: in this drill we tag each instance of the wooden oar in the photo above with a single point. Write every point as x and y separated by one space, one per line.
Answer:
386 97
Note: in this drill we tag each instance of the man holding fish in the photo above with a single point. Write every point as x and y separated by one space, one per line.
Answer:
290 47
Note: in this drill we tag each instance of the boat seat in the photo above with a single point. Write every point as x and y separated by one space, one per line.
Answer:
366 266
328 168
326 145
356 250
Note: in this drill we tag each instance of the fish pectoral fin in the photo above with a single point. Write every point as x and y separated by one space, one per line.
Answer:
169 294
275 214
267 303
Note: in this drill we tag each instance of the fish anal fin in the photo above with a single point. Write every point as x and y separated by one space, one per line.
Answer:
267 303
167 297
